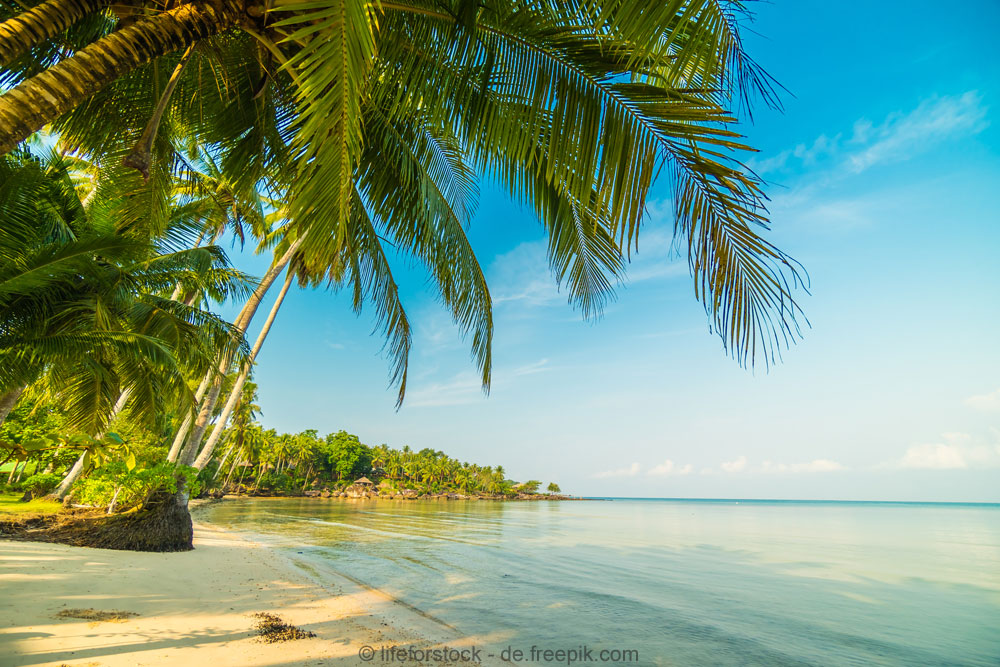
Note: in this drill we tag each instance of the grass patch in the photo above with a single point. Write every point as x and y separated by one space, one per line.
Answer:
271 628
10 504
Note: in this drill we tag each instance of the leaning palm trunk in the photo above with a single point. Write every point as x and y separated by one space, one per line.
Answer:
8 401
190 450
175 447
74 473
237 392
47 96
222 463
20 34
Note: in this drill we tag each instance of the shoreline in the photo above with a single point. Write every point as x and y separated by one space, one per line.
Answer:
195 607
331 495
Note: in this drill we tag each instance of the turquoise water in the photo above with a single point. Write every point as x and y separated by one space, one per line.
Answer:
681 582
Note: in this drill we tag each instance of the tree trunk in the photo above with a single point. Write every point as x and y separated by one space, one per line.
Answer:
236 461
190 450
114 500
74 473
175 448
222 463
8 401
237 392
242 322
141 155
29 29
47 96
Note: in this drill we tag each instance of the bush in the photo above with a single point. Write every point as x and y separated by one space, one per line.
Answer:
133 487
276 482
41 484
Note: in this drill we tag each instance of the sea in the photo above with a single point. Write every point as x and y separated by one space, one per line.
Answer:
669 581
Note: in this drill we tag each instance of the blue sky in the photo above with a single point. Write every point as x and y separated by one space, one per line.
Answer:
883 170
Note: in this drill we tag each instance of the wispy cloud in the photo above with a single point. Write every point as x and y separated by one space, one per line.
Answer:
630 471
898 137
901 135
466 387
985 402
463 389
818 465
540 366
742 465
522 278
669 468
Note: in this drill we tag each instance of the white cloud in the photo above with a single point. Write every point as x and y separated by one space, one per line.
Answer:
522 276
937 457
738 465
817 465
985 402
630 471
540 366
959 451
669 468
898 137
466 387
807 155
902 135
462 389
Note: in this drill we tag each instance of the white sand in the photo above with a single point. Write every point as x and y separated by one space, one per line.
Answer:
193 608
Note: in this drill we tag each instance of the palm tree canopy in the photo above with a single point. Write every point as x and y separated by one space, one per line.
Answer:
374 120
83 303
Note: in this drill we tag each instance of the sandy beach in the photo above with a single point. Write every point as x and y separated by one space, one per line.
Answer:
193 608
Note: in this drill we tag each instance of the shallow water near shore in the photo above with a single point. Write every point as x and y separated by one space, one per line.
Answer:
681 582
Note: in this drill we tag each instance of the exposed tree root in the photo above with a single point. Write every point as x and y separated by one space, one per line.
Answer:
163 524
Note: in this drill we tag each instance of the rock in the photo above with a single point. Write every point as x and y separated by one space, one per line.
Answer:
325 493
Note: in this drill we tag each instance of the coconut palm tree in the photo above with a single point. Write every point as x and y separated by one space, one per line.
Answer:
573 106
83 302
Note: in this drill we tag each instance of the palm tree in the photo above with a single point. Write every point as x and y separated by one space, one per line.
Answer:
574 107
83 304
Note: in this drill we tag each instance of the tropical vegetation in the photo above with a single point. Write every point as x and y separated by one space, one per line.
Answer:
332 135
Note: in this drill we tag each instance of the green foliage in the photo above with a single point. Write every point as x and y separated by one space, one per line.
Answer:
82 299
278 482
347 456
531 486
553 488
132 486
40 484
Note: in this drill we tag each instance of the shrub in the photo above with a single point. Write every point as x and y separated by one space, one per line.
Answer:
133 487
41 484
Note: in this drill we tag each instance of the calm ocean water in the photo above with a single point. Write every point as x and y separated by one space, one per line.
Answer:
683 582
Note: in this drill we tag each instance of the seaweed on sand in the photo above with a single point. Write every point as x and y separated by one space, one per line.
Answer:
271 628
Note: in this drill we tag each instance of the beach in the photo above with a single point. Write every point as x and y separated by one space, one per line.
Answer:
670 581
192 608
